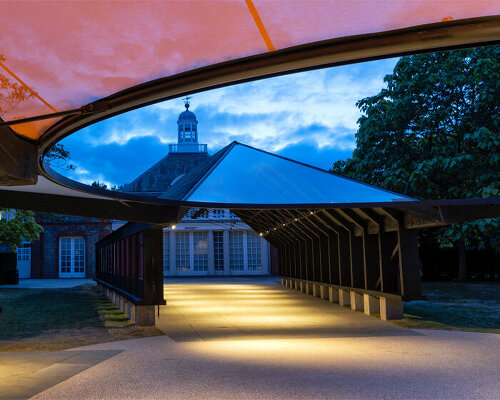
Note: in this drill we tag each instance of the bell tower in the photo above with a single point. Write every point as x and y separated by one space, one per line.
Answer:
187 133
187 125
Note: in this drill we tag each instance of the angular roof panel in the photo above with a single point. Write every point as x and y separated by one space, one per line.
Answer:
246 175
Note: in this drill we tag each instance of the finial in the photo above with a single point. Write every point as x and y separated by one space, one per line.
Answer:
186 101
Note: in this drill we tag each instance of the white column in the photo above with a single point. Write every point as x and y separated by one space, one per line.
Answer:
166 245
173 268
245 251
227 267
191 251
264 256
210 244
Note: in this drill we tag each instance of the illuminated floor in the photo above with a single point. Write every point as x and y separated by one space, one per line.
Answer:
254 339
231 309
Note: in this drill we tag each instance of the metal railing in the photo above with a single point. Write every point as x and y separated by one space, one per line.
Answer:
187 148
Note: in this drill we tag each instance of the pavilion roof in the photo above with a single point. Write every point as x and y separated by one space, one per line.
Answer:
246 175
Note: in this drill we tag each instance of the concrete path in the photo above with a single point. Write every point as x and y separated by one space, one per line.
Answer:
24 374
257 340
48 283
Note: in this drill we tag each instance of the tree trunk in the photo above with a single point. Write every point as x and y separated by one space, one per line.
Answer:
462 262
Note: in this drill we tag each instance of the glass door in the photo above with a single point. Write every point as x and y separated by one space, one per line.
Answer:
72 257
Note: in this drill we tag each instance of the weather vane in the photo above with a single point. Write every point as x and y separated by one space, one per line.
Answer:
186 101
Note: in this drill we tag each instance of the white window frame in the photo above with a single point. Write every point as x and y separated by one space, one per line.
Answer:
72 273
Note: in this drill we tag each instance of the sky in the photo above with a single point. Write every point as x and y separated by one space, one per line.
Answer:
309 116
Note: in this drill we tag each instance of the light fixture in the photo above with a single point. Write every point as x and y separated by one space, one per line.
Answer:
260 234
172 227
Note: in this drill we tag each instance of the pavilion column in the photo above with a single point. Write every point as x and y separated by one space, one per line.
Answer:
210 244
171 238
409 264
225 242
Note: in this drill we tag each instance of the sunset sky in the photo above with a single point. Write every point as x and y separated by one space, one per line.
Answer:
309 116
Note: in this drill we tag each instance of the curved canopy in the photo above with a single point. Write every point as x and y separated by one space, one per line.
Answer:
63 55
67 64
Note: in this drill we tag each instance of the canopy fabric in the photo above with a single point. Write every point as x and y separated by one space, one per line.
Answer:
66 54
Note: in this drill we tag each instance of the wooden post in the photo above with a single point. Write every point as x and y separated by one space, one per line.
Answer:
411 287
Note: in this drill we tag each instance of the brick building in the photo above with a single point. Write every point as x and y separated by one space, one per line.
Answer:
206 241
66 248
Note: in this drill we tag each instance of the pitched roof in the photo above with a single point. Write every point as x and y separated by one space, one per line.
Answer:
181 187
158 178
243 174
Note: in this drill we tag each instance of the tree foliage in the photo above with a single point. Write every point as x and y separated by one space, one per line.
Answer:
19 225
113 188
433 133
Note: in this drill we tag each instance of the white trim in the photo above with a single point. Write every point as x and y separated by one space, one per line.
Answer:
191 253
245 251
72 273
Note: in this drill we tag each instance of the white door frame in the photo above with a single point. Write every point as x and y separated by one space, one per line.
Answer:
24 260
72 258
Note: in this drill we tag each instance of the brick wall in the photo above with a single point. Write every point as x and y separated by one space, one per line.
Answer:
45 252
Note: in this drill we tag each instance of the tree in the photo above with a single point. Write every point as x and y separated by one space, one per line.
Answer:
114 188
16 226
20 224
433 133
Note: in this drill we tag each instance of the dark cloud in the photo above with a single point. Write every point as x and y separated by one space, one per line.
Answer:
115 163
310 117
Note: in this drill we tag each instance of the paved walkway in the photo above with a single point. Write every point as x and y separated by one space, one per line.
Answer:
48 283
24 374
231 339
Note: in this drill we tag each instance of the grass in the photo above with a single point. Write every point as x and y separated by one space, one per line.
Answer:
57 319
461 306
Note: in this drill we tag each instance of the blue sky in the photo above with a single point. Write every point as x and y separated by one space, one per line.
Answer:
309 116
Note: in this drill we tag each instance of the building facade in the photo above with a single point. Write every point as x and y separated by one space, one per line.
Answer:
207 242
216 242
66 248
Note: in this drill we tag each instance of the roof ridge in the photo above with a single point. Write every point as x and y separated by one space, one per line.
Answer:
191 180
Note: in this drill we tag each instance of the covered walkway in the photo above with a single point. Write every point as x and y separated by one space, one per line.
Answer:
258 309
249 338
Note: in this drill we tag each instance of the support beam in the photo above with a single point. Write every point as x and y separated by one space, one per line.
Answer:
411 287
344 297
371 304
356 301
344 248
333 295
390 308
390 267
18 159
144 315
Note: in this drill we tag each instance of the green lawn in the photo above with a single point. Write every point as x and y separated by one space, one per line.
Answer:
460 306
55 319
